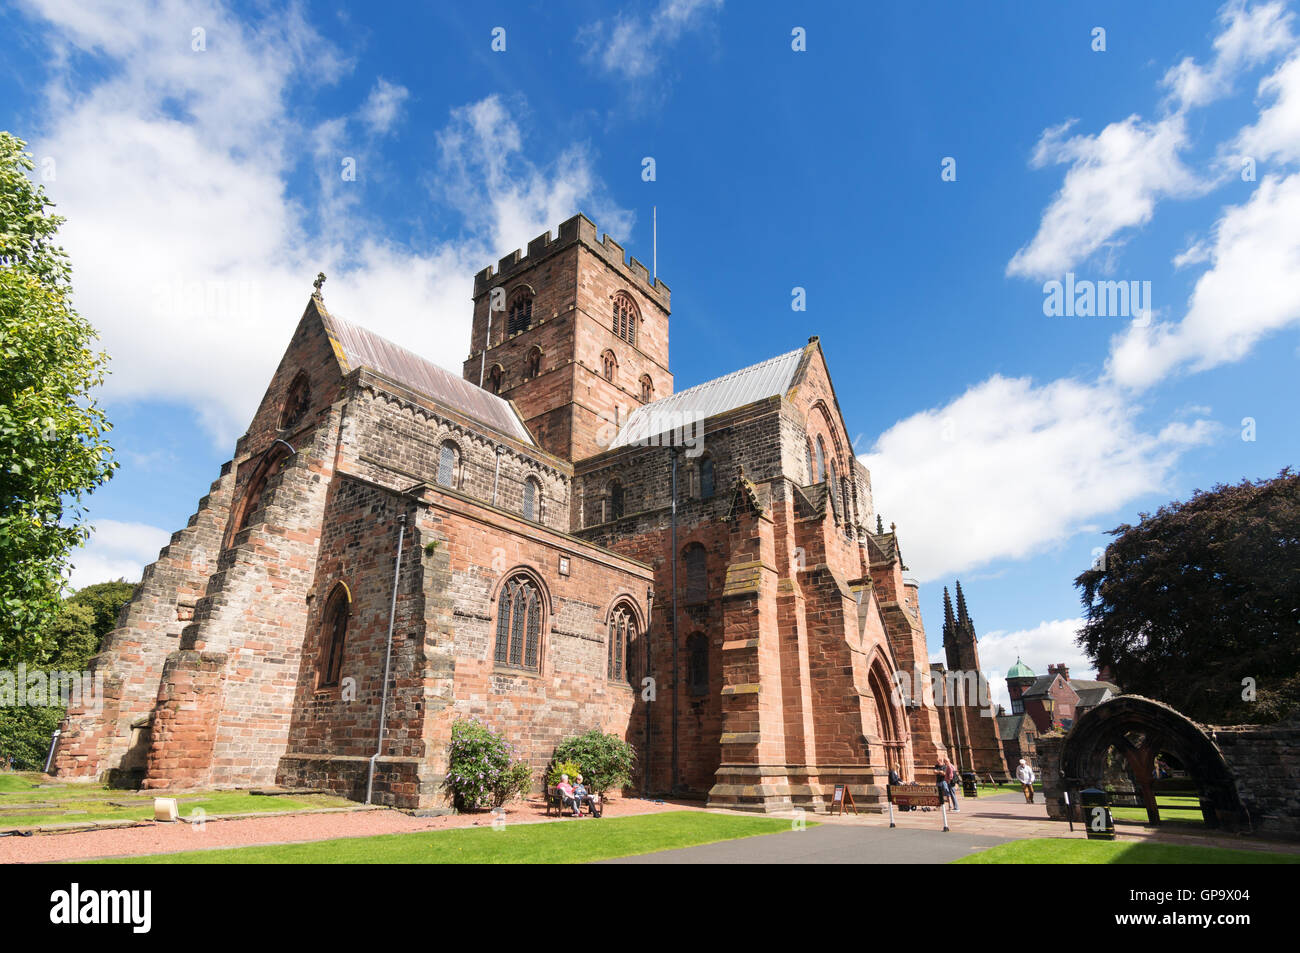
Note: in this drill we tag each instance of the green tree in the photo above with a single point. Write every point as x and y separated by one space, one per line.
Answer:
1202 597
74 637
53 435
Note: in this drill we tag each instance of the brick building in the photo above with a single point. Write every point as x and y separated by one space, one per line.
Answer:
1055 701
554 541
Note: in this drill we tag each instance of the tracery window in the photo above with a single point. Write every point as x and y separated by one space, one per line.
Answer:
519 624
622 636
297 402
520 317
625 318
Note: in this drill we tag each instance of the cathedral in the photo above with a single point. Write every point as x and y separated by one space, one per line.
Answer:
553 541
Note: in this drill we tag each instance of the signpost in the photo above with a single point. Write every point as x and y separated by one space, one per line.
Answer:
916 795
842 797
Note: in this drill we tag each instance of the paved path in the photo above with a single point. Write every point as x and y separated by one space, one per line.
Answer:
829 844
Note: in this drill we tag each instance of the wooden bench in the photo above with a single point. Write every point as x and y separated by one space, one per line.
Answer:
556 802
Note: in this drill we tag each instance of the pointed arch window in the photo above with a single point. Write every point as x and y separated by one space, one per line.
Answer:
334 631
625 318
647 389
808 462
608 365
697 577
520 317
622 636
832 491
531 494
447 464
534 365
821 460
494 379
519 624
697 664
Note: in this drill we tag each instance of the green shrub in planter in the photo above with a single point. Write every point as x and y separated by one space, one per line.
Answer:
605 761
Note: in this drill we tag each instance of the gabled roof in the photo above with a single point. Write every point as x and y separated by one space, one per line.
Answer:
356 347
1009 726
770 378
1040 686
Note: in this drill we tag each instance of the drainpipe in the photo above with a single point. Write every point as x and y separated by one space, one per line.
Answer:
388 657
675 784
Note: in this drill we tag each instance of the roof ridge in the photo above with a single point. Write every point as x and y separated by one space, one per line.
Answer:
740 370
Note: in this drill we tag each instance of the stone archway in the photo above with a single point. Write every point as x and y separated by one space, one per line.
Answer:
1140 729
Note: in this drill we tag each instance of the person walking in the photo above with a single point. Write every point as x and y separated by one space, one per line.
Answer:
1025 774
950 775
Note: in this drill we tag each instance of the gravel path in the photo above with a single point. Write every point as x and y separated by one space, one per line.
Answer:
283 829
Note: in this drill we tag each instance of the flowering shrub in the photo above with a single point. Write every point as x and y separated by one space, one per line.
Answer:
481 771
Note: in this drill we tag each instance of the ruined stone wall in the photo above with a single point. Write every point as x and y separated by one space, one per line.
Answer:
1266 762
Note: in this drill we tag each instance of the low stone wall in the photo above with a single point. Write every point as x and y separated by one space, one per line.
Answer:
1266 762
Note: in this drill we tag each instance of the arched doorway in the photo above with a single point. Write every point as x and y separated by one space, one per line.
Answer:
1130 737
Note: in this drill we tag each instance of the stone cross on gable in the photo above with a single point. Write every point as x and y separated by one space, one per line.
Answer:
320 280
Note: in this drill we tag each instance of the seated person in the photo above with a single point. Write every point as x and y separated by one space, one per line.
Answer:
565 790
894 778
582 796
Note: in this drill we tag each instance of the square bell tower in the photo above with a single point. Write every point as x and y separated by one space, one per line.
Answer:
573 335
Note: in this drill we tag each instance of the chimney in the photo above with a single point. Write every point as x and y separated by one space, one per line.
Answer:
1060 668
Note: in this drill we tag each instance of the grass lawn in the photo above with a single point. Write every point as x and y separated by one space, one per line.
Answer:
1055 850
1172 808
559 842
987 789
25 804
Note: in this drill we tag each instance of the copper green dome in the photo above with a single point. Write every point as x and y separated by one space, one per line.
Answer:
1020 670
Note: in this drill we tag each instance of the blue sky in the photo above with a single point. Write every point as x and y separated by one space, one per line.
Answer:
202 176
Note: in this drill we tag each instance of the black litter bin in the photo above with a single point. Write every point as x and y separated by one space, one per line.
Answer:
969 786
1095 805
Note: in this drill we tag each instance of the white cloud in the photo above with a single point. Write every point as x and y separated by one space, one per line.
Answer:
1249 291
383 106
116 550
1048 643
191 256
1276 135
632 48
1010 468
1114 181
1247 37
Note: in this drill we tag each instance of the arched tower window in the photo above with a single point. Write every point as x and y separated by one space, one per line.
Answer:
647 388
494 378
608 365
706 478
534 363
615 501
697 664
519 624
622 636
520 316
297 402
532 493
697 575
625 317
334 631
447 455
